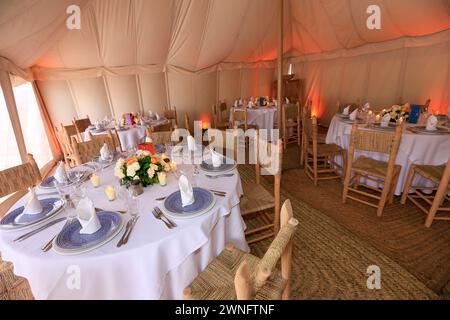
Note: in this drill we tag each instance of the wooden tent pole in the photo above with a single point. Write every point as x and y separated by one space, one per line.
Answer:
280 67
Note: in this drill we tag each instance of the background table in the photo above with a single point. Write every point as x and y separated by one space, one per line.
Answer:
156 262
263 118
129 138
414 148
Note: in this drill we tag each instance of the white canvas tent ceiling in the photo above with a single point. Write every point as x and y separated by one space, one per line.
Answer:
196 34
132 55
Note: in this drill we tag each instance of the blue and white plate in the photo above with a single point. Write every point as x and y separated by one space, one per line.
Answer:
423 130
207 165
16 219
390 127
203 202
71 241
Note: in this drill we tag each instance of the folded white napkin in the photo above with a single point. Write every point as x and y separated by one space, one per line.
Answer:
385 120
432 123
60 173
158 116
104 152
33 205
287 100
353 115
236 103
216 159
240 102
191 143
187 194
87 216
148 140
346 110
150 113
366 106
250 104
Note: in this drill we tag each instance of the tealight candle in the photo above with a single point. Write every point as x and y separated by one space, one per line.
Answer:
110 192
162 178
377 118
95 180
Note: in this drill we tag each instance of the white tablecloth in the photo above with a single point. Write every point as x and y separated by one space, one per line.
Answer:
129 138
264 118
156 262
414 148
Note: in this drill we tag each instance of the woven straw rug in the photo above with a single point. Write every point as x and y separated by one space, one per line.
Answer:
330 262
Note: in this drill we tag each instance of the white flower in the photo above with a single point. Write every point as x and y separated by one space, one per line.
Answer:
132 168
120 163
142 153
151 172
118 172
166 167
154 167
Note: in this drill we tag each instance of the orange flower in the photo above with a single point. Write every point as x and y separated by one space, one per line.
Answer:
154 160
131 161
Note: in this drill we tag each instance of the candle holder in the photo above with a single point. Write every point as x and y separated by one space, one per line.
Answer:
110 192
95 180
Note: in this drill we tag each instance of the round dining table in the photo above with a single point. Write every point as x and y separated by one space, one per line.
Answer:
262 117
415 148
156 263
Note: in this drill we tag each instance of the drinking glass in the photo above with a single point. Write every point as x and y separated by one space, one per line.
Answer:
133 206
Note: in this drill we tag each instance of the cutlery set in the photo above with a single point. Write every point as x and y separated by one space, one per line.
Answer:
158 214
129 227
216 192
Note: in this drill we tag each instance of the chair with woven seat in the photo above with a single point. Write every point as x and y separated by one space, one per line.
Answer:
218 122
439 201
64 136
291 124
251 277
81 125
85 151
171 115
161 137
161 127
107 138
321 136
257 202
378 172
320 158
239 119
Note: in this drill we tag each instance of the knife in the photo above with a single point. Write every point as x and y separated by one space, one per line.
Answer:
45 226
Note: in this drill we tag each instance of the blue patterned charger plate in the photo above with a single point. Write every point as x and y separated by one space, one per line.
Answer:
16 219
71 241
203 201
207 165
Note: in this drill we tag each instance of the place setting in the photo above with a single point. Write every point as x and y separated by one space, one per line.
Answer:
431 127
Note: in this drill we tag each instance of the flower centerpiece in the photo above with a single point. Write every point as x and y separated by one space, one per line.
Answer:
130 119
396 112
142 168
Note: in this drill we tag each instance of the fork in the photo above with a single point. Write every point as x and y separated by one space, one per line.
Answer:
159 211
158 216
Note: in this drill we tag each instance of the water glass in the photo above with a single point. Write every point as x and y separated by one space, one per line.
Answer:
133 206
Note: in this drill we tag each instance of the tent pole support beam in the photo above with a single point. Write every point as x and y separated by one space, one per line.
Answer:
280 66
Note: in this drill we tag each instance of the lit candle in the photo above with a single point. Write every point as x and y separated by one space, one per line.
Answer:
110 192
377 118
95 179
162 178
370 113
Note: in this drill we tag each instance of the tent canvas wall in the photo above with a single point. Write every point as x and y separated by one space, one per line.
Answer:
137 55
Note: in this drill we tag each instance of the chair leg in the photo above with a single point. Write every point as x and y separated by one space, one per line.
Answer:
438 199
384 198
346 184
392 188
408 183
302 152
316 175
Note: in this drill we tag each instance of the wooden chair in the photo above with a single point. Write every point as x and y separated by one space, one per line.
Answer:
187 123
240 119
81 125
291 121
84 151
257 201
171 115
251 277
107 138
20 177
161 127
379 172
64 141
320 158
440 175
218 123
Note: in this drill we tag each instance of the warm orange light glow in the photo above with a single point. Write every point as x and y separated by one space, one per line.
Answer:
205 121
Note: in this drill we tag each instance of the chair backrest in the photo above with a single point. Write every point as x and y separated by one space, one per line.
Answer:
215 116
107 138
247 285
161 137
19 177
223 141
161 127
171 114
309 129
376 141
81 125
84 151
